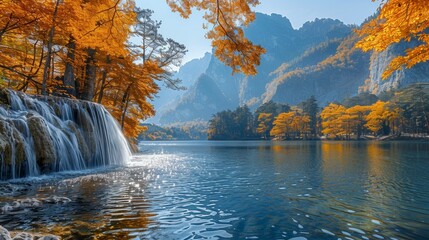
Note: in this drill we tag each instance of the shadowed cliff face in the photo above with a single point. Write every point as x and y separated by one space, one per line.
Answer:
39 135
399 79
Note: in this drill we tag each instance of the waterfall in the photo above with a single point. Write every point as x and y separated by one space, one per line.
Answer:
39 135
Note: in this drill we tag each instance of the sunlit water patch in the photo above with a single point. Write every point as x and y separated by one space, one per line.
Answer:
238 190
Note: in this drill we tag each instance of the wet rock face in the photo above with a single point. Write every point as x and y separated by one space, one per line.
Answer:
12 147
41 134
43 145
83 145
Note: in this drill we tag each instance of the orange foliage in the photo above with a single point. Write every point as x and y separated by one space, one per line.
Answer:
399 20
227 18
290 125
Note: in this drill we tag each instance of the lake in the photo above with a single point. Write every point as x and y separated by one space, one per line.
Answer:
240 190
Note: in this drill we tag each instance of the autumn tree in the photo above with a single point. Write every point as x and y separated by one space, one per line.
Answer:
264 124
227 19
21 52
156 54
291 125
272 108
380 118
332 123
354 120
399 21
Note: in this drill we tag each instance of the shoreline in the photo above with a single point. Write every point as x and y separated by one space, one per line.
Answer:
11 235
364 138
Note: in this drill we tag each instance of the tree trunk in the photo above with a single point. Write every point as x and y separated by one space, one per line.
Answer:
103 81
50 43
69 78
90 74
125 101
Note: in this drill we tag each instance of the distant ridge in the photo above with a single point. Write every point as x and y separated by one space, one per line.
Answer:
318 59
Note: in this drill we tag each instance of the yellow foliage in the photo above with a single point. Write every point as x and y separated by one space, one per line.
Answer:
290 124
332 121
381 115
264 120
399 20
227 18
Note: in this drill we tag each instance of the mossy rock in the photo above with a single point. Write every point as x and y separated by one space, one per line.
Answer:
11 143
43 144
4 97
83 145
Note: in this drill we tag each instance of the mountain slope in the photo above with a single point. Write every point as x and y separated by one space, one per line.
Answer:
319 59
283 44
204 97
339 75
188 73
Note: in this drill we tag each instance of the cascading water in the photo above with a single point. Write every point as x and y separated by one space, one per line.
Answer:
39 135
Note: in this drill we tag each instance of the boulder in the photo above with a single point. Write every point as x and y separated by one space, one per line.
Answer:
23 236
4 234
43 144
49 237
12 147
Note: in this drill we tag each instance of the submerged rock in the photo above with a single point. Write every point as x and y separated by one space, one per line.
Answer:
56 200
23 236
49 237
4 234
10 189
32 203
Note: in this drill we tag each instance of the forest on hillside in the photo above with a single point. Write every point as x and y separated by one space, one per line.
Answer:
395 113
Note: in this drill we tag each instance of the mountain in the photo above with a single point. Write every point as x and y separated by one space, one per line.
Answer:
204 98
189 74
283 43
331 72
319 59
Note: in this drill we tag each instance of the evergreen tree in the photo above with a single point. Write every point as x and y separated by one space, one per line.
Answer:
311 109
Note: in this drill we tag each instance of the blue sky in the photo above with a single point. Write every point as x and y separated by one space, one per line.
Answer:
190 32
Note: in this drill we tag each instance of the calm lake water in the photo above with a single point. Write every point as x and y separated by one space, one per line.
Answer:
241 190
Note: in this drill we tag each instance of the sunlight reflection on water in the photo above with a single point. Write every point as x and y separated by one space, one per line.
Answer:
244 190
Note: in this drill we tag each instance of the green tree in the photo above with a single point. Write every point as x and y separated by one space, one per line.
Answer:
414 103
243 119
311 109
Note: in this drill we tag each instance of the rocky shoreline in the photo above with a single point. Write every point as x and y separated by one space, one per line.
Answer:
11 235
